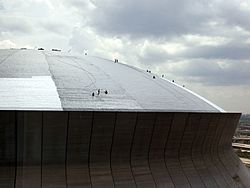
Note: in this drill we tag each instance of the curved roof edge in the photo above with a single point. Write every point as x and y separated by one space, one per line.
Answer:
48 81
199 96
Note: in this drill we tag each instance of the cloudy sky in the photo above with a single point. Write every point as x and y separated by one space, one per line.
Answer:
202 44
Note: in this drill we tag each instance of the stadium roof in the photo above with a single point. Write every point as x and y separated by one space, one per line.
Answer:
46 80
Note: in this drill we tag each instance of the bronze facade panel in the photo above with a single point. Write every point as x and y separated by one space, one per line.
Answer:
119 149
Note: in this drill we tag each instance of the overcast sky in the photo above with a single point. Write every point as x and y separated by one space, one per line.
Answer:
202 44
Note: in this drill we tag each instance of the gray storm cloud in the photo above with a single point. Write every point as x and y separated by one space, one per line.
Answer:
219 73
166 18
15 25
1 5
228 51
149 18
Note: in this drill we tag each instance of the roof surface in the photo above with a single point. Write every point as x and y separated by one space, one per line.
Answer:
45 80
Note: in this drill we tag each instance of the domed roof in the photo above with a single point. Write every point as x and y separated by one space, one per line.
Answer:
46 80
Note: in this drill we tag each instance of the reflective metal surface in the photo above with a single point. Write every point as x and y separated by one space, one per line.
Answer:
110 149
70 122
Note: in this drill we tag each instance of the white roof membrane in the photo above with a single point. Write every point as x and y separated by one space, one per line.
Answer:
67 82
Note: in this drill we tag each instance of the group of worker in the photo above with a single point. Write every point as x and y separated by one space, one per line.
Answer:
99 92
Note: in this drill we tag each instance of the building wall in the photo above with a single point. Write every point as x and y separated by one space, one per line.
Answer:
119 149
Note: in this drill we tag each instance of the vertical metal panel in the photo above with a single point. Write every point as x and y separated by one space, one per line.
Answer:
110 149
173 148
208 152
185 153
120 156
228 150
7 149
156 155
224 149
140 149
100 149
79 132
216 157
54 148
226 160
198 157
29 132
